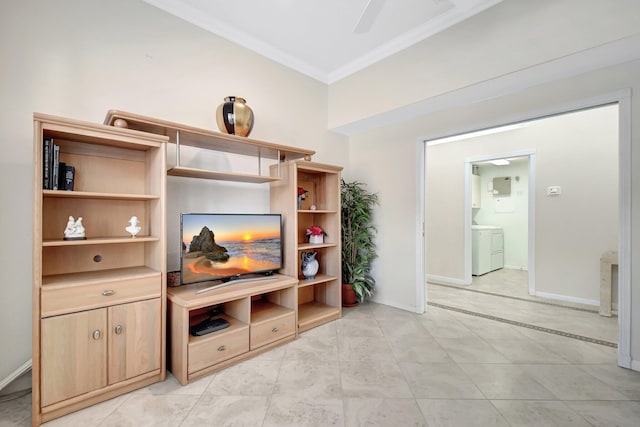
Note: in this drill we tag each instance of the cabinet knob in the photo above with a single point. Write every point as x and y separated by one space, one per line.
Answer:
274 330
221 348
96 334
118 329
108 292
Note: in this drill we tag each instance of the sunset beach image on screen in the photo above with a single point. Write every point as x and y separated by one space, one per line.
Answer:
219 246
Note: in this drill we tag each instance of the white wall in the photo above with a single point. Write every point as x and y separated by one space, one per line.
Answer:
513 221
80 58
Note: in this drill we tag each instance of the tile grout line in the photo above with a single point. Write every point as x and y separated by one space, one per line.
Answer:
526 325
587 310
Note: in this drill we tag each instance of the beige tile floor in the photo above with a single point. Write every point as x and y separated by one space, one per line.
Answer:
482 296
380 366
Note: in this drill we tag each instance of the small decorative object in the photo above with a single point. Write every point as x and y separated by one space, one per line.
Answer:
302 194
234 116
313 207
74 230
316 234
309 265
134 227
120 123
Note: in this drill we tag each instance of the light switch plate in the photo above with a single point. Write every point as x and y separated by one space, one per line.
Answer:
554 190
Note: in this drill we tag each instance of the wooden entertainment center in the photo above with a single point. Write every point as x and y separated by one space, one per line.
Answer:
101 305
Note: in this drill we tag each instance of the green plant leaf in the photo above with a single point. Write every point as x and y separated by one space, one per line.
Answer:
358 232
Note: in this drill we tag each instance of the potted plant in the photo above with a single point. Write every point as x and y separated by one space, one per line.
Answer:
358 247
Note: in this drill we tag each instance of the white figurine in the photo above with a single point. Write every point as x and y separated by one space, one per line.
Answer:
74 229
134 228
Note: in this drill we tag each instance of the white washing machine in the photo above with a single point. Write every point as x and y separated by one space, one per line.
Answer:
487 249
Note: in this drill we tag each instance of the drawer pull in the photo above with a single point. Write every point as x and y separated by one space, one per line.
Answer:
96 334
274 330
118 329
108 292
221 348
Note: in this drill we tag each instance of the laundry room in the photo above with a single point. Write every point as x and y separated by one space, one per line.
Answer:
500 214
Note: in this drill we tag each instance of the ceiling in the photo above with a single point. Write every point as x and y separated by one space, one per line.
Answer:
324 39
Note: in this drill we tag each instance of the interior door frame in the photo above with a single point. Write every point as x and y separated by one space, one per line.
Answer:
531 223
623 99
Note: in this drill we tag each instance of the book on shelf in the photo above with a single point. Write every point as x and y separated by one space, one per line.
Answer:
47 158
56 175
62 168
55 167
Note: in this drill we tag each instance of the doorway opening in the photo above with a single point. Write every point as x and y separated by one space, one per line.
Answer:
565 206
501 193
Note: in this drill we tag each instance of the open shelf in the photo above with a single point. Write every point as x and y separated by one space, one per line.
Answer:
262 314
93 277
307 246
97 195
264 311
208 139
315 313
220 176
316 211
184 135
319 299
234 326
101 241
320 278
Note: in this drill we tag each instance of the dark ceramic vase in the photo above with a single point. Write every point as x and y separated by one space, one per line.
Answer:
234 116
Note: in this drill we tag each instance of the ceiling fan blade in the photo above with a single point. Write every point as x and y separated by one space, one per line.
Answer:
368 16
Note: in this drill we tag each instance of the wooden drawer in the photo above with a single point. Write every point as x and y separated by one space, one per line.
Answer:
272 330
68 299
211 349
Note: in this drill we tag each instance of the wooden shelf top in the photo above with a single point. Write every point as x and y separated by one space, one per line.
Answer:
221 176
208 139
314 312
186 296
100 241
89 277
96 195
307 246
263 311
320 278
77 130
317 211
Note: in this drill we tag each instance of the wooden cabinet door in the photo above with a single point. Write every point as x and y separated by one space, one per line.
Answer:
134 340
73 352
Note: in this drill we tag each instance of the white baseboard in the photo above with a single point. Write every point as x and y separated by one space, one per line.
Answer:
412 309
444 280
568 298
26 367
516 267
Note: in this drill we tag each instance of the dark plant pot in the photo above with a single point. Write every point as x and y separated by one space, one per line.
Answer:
349 297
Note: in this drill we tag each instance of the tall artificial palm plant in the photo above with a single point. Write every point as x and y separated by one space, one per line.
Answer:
358 247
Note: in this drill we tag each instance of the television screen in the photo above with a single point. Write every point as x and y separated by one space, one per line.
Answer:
223 246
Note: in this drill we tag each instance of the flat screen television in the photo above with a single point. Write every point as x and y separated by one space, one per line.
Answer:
229 246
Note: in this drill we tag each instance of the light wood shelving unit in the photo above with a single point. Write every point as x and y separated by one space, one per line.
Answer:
184 135
262 315
98 304
319 299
